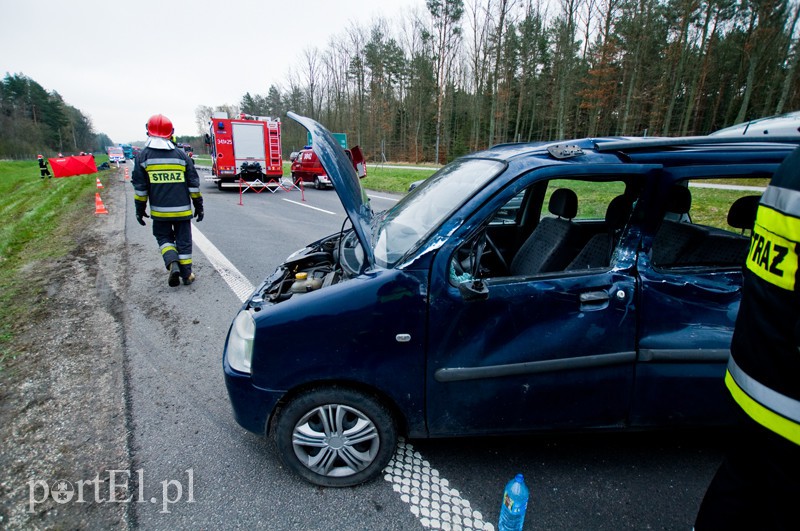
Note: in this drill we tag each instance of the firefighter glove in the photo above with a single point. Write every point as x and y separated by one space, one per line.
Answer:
141 212
198 208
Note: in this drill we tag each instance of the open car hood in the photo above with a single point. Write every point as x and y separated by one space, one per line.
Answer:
345 181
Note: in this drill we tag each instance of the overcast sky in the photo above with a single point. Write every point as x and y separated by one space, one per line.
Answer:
120 62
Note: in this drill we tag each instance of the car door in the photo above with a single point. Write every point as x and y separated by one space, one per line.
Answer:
688 309
555 350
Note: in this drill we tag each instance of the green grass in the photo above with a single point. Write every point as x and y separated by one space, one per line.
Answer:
385 179
38 220
393 179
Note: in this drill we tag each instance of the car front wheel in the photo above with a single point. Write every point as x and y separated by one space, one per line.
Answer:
335 437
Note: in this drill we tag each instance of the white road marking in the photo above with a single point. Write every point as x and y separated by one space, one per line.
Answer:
382 197
241 287
430 497
738 187
309 206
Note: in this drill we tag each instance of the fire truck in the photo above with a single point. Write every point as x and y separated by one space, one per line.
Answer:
247 148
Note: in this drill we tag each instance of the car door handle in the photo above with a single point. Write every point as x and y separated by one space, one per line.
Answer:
594 300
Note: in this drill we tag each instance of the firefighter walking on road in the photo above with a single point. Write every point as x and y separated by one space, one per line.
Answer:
758 484
43 169
166 178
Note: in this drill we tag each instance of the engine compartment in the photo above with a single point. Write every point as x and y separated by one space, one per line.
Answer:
329 261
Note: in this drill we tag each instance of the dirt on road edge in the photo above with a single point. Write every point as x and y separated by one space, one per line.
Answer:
64 425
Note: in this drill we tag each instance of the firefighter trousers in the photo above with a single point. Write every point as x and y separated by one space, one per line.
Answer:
175 241
757 486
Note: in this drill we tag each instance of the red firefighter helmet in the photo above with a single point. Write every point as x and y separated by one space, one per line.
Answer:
39 157
160 126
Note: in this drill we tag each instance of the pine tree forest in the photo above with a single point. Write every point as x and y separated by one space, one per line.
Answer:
34 121
466 74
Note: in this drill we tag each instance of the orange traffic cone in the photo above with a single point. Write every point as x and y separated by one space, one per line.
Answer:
126 174
99 207
99 184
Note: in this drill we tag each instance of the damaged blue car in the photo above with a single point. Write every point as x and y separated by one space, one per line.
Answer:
589 284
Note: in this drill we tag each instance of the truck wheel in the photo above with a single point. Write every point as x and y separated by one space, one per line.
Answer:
335 437
317 184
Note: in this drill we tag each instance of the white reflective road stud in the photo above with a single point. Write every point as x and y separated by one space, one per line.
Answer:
431 499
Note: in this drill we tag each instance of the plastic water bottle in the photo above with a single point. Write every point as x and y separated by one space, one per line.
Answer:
515 501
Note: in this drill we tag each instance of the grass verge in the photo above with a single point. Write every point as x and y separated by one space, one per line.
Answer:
39 219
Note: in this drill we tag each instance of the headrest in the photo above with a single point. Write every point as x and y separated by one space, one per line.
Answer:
679 200
742 214
564 203
618 212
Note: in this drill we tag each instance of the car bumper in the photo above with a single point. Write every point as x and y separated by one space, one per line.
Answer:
252 406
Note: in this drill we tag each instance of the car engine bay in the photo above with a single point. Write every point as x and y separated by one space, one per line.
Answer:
329 261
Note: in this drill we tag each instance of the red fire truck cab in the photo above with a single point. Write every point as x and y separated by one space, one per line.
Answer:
306 167
247 148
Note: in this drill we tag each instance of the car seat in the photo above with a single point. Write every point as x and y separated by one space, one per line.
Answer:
676 238
597 251
724 248
549 247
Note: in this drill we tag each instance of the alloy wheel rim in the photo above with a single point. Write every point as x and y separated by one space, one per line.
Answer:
335 440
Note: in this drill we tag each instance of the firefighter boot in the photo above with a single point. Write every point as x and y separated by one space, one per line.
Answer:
174 274
188 280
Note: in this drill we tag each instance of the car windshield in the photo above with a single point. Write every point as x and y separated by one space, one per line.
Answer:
412 219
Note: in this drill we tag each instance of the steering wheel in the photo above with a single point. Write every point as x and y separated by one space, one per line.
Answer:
495 250
476 251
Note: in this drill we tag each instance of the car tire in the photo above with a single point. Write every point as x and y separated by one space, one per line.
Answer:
324 455
317 183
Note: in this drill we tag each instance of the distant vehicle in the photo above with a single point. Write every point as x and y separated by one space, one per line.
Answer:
415 184
245 148
115 154
127 150
306 167
773 126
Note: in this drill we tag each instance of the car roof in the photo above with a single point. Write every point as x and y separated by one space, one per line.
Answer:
664 150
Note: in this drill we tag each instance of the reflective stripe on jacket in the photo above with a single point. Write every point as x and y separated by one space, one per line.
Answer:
167 179
776 412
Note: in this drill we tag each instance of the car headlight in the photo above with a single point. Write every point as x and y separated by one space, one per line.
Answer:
240 342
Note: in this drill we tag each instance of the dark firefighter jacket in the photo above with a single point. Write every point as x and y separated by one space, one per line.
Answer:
764 370
169 180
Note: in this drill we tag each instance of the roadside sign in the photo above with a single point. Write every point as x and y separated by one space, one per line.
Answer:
339 137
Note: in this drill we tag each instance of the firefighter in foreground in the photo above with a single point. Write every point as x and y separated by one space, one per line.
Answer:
758 484
167 178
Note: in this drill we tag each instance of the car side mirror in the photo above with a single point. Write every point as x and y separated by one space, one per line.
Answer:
474 290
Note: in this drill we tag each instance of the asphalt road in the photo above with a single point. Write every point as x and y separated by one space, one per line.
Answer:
200 470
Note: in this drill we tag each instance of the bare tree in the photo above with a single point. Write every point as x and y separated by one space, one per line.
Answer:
311 72
446 15
792 58
503 9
